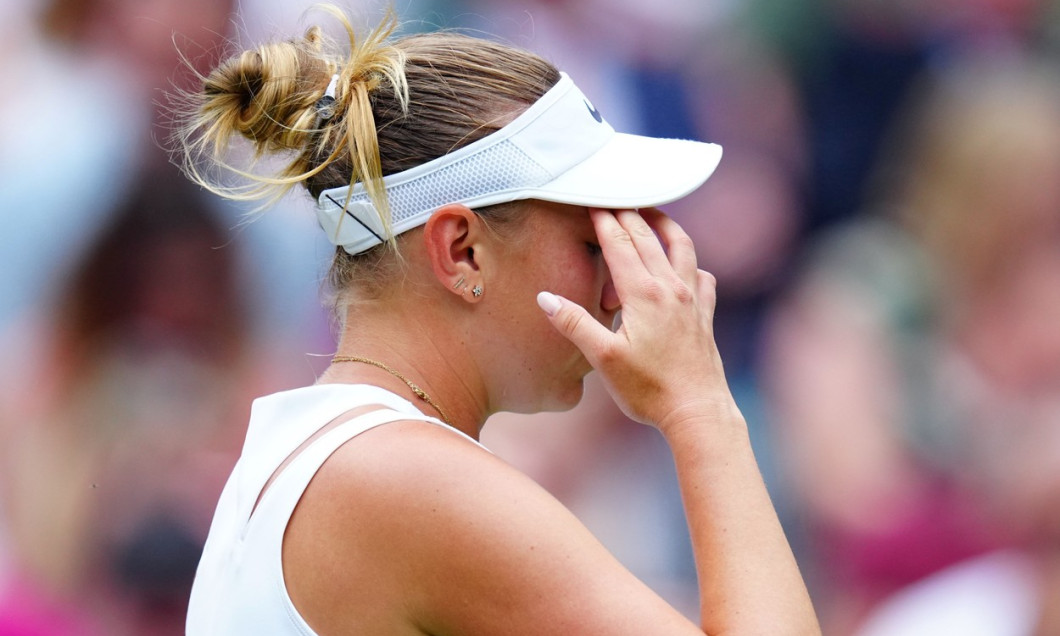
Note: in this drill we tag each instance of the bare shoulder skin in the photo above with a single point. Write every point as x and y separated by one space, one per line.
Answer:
411 529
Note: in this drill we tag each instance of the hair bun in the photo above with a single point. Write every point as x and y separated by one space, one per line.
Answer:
268 94
397 104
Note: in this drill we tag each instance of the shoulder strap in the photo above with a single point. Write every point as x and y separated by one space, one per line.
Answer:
286 489
288 485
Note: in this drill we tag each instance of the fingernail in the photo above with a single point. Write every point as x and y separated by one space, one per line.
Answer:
549 303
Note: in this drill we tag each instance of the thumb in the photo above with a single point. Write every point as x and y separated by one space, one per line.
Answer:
575 324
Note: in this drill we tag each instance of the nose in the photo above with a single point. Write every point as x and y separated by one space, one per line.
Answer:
609 301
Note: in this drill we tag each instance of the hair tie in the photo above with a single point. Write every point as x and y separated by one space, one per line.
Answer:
325 105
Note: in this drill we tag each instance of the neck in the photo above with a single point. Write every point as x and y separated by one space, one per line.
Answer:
423 348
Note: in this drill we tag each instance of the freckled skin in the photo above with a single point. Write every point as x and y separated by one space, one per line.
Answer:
557 255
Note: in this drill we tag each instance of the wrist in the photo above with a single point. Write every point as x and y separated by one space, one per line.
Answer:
699 416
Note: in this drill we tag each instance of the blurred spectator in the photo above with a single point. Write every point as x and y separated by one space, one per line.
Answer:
855 61
150 45
920 342
73 130
1011 592
747 219
89 115
119 421
67 140
128 318
90 76
852 62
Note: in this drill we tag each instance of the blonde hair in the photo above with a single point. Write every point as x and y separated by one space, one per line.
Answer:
398 103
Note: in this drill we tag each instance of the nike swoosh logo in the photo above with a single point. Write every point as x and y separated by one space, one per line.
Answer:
595 113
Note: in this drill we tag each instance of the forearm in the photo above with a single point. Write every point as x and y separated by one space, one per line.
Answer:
662 367
749 580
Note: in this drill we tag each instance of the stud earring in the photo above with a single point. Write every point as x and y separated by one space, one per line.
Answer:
476 291
460 283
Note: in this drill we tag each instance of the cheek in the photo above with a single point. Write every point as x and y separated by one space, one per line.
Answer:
580 278
573 276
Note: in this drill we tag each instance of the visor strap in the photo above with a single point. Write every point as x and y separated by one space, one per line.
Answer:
354 217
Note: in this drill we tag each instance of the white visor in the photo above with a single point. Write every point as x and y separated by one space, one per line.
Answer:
559 149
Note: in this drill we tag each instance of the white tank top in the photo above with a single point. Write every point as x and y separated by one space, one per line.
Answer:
239 587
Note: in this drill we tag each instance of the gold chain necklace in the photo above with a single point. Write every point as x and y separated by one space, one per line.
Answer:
420 393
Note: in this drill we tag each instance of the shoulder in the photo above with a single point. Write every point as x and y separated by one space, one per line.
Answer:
422 482
415 518
389 514
419 460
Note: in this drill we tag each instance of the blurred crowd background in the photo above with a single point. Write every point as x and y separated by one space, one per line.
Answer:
884 227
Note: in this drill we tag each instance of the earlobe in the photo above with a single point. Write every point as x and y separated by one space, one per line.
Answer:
450 237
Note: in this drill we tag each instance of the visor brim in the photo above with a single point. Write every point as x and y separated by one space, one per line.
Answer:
631 171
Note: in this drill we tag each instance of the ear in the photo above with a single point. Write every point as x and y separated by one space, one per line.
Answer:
450 238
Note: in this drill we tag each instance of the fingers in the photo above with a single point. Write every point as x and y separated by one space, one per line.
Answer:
575 323
644 239
679 246
707 293
671 250
639 260
619 251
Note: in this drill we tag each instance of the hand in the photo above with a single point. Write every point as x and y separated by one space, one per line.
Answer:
661 365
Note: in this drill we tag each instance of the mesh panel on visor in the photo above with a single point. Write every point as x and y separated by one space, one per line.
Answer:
535 151
493 170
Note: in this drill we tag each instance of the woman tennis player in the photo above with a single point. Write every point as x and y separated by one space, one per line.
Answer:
489 227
